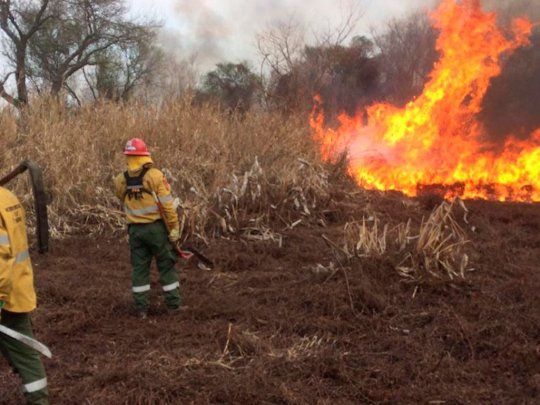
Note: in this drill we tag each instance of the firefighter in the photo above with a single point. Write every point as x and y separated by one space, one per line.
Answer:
18 298
148 236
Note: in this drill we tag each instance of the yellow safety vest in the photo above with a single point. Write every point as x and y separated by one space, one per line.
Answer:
144 210
16 275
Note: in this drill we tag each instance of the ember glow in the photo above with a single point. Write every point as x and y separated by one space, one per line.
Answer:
436 139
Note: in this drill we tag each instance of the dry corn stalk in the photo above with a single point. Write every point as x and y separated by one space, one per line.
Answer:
364 240
436 251
439 249
310 186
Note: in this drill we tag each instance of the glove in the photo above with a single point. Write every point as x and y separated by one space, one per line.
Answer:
174 236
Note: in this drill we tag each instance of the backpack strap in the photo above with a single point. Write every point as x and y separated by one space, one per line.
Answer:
135 185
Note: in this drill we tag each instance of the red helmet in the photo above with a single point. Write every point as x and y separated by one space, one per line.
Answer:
136 147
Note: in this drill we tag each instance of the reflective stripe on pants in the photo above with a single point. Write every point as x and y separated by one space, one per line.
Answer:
141 289
35 386
170 287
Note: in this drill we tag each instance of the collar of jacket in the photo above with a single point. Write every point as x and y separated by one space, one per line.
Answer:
135 163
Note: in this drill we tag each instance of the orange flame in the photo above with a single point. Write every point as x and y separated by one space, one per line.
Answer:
435 139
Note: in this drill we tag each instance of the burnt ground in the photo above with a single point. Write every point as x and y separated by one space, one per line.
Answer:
266 327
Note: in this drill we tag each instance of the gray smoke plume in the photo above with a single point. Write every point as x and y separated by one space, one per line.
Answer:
221 30
205 30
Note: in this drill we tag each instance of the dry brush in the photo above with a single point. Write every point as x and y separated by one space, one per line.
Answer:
233 173
434 250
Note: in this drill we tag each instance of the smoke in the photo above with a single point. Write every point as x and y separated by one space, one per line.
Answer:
205 31
220 30
225 30
514 8
512 103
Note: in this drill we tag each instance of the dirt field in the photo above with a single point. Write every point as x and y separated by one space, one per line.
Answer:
267 327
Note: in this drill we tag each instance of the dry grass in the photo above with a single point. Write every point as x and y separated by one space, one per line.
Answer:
232 173
367 239
439 249
435 250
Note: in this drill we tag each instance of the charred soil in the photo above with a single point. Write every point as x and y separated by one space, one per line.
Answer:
293 324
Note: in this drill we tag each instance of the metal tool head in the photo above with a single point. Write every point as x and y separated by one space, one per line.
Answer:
40 200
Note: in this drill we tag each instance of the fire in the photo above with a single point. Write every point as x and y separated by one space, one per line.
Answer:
435 139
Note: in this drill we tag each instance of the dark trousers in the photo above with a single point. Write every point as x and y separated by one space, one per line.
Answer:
24 360
147 241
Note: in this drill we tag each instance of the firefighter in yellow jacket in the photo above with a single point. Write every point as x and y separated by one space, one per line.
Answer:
148 236
18 298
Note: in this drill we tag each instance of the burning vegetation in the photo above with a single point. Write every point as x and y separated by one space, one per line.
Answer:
436 140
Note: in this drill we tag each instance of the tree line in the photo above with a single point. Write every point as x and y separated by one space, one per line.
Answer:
86 50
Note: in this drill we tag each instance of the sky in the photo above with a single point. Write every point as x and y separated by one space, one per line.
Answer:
225 30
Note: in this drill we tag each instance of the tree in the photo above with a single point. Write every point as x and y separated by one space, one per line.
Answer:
233 85
19 23
344 76
301 69
119 71
281 45
82 33
50 41
406 53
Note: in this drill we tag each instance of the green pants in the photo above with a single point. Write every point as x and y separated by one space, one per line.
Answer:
24 360
147 241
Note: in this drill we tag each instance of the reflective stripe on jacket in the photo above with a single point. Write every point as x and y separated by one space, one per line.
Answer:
16 276
145 209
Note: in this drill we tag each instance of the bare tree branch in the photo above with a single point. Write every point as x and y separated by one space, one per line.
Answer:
3 93
39 19
89 84
351 13
73 94
281 45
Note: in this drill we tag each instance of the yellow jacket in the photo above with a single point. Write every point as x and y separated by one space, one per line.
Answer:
145 209
16 276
